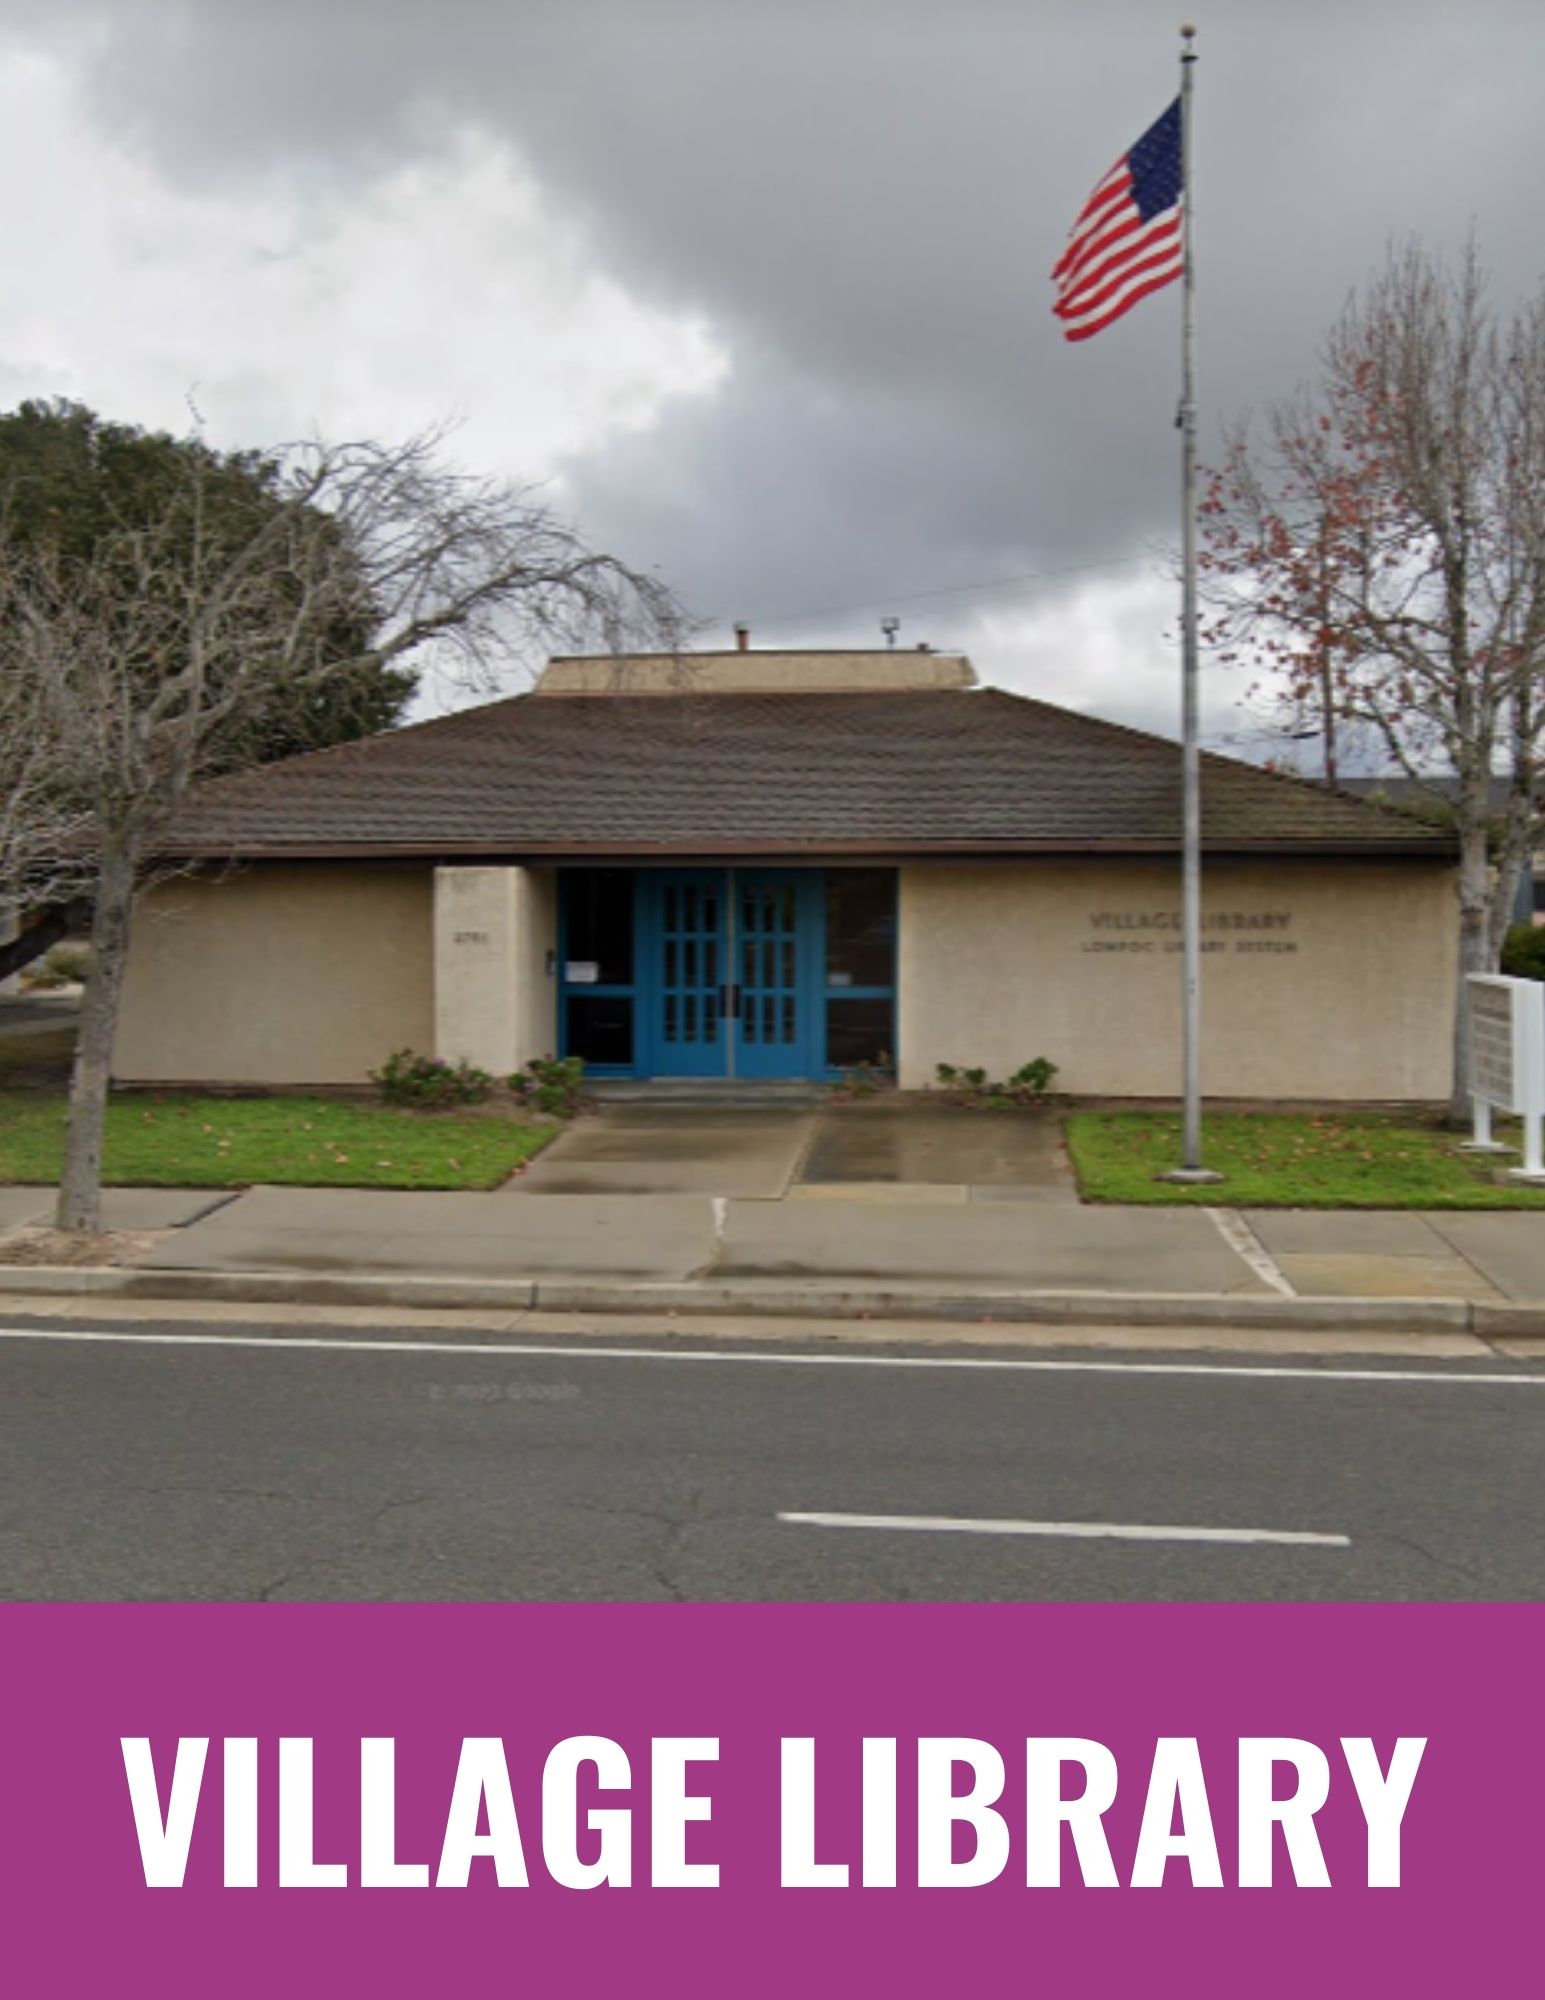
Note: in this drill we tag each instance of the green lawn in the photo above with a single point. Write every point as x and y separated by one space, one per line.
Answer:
1273 1159
287 1141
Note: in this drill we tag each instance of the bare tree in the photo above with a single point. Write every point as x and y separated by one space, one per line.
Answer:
146 657
1382 552
41 821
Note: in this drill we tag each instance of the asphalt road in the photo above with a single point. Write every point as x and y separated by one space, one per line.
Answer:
141 1466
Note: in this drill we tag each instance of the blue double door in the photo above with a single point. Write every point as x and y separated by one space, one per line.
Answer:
732 972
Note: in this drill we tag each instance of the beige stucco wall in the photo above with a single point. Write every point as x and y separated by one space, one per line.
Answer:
757 671
277 975
1338 983
494 982
536 964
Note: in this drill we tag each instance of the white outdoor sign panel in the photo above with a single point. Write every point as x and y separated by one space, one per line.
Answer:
1493 1038
1507 1060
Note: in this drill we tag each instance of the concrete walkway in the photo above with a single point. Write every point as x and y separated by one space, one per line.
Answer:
883 1149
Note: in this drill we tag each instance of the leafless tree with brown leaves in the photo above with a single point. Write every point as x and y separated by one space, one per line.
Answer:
131 671
1381 551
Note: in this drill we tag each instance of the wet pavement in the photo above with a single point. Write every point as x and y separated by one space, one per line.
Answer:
336 1231
877 1147
880 1150
1078 1249
740 1154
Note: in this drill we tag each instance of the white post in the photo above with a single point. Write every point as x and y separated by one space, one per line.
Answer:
1190 1168
1533 1168
1529 1059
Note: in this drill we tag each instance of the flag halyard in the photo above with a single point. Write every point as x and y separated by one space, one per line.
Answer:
1129 238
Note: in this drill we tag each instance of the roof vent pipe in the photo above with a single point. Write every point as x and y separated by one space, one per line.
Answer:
743 637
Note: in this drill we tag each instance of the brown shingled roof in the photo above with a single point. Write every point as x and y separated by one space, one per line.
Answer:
979 772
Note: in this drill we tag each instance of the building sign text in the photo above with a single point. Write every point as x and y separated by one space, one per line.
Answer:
1222 930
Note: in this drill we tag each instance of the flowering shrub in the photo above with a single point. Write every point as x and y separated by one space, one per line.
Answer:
551 1084
974 1086
426 1083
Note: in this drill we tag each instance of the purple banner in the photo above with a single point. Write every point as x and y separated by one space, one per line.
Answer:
769 1800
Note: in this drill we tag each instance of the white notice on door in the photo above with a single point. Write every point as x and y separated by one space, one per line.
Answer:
582 972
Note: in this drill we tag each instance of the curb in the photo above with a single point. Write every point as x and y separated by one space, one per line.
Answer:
780 1300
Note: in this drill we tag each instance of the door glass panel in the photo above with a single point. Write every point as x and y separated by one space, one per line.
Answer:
860 926
670 1017
859 1031
598 922
600 1028
689 1017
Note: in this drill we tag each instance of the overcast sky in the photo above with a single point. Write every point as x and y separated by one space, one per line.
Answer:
758 286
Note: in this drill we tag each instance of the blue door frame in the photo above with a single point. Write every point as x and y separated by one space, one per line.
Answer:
729 975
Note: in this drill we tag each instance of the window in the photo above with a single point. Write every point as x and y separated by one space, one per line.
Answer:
861 927
600 1028
597 969
860 1031
860 966
599 918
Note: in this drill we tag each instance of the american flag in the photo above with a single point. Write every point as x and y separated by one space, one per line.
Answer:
1128 240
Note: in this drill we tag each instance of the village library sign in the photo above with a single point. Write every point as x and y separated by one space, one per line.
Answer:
1252 930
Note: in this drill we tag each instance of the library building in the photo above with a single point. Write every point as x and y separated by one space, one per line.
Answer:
764 865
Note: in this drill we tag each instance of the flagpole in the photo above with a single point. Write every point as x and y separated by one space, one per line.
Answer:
1191 1168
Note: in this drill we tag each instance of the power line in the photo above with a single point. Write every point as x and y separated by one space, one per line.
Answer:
944 590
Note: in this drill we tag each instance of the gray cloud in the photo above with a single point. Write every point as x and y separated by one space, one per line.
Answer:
864 200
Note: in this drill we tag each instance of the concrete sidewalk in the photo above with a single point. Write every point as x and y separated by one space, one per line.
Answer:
904 1258
678 1239
845 1211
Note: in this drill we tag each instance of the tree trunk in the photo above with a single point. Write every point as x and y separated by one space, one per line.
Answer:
1474 956
80 1185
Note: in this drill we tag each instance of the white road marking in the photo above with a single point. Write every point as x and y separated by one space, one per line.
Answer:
1244 1242
760 1357
1092 1531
